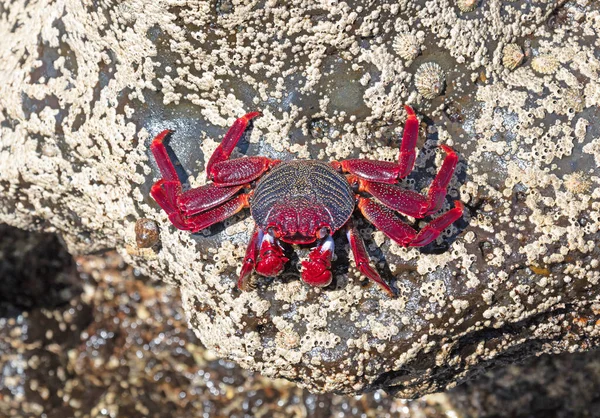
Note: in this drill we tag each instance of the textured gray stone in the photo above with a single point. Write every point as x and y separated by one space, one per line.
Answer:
84 90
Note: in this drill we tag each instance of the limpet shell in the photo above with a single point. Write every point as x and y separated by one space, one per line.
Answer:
467 5
544 64
430 80
146 233
406 46
512 56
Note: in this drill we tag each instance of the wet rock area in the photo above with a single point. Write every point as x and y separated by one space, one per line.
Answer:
512 86
118 344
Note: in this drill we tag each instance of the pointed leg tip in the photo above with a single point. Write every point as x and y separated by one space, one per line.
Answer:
409 110
447 149
158 139
424 237
387 289
251 115
459 209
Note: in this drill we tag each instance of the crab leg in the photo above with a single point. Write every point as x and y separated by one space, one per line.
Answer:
250 258
387 221
241 170
409 202
167 191
391 225
229 141
438 189
434 228
165 194
361 258
220 213
205 197
199 208
316 271
394 197
384 171
406 158
165 165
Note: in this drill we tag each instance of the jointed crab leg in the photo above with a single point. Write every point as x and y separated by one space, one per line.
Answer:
166 167
439 185
384 171
394 197
434 228
195 223
241 170
391 225
229 141
361 258
408 202
406 159
250 258
220 213
162 192
199 208
204 198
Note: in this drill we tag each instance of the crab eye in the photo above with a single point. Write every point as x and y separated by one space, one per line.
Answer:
323 232
274 232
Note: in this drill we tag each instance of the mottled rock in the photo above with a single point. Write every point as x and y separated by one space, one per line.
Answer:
126 342
84 90
123 348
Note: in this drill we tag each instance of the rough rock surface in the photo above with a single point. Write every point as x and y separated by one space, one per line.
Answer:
85 87
111 342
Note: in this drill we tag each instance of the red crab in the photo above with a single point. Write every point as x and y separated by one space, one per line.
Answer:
303 201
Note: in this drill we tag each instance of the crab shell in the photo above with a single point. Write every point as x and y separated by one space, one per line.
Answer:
296 199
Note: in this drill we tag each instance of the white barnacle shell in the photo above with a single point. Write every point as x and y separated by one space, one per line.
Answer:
467 5
544 64
406 46
577 182
430 80
512 56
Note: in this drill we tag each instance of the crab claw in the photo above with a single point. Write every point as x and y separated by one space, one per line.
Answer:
316 270
271 259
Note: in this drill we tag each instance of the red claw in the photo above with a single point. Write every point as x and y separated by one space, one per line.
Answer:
271 259
316 270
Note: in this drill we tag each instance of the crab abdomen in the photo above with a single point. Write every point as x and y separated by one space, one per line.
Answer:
301 196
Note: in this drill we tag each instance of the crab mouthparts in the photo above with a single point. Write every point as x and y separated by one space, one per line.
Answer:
298 238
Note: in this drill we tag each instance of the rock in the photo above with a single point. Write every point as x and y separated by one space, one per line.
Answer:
123 346
84 91
564 385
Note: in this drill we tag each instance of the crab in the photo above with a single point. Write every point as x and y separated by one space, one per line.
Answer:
306 201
